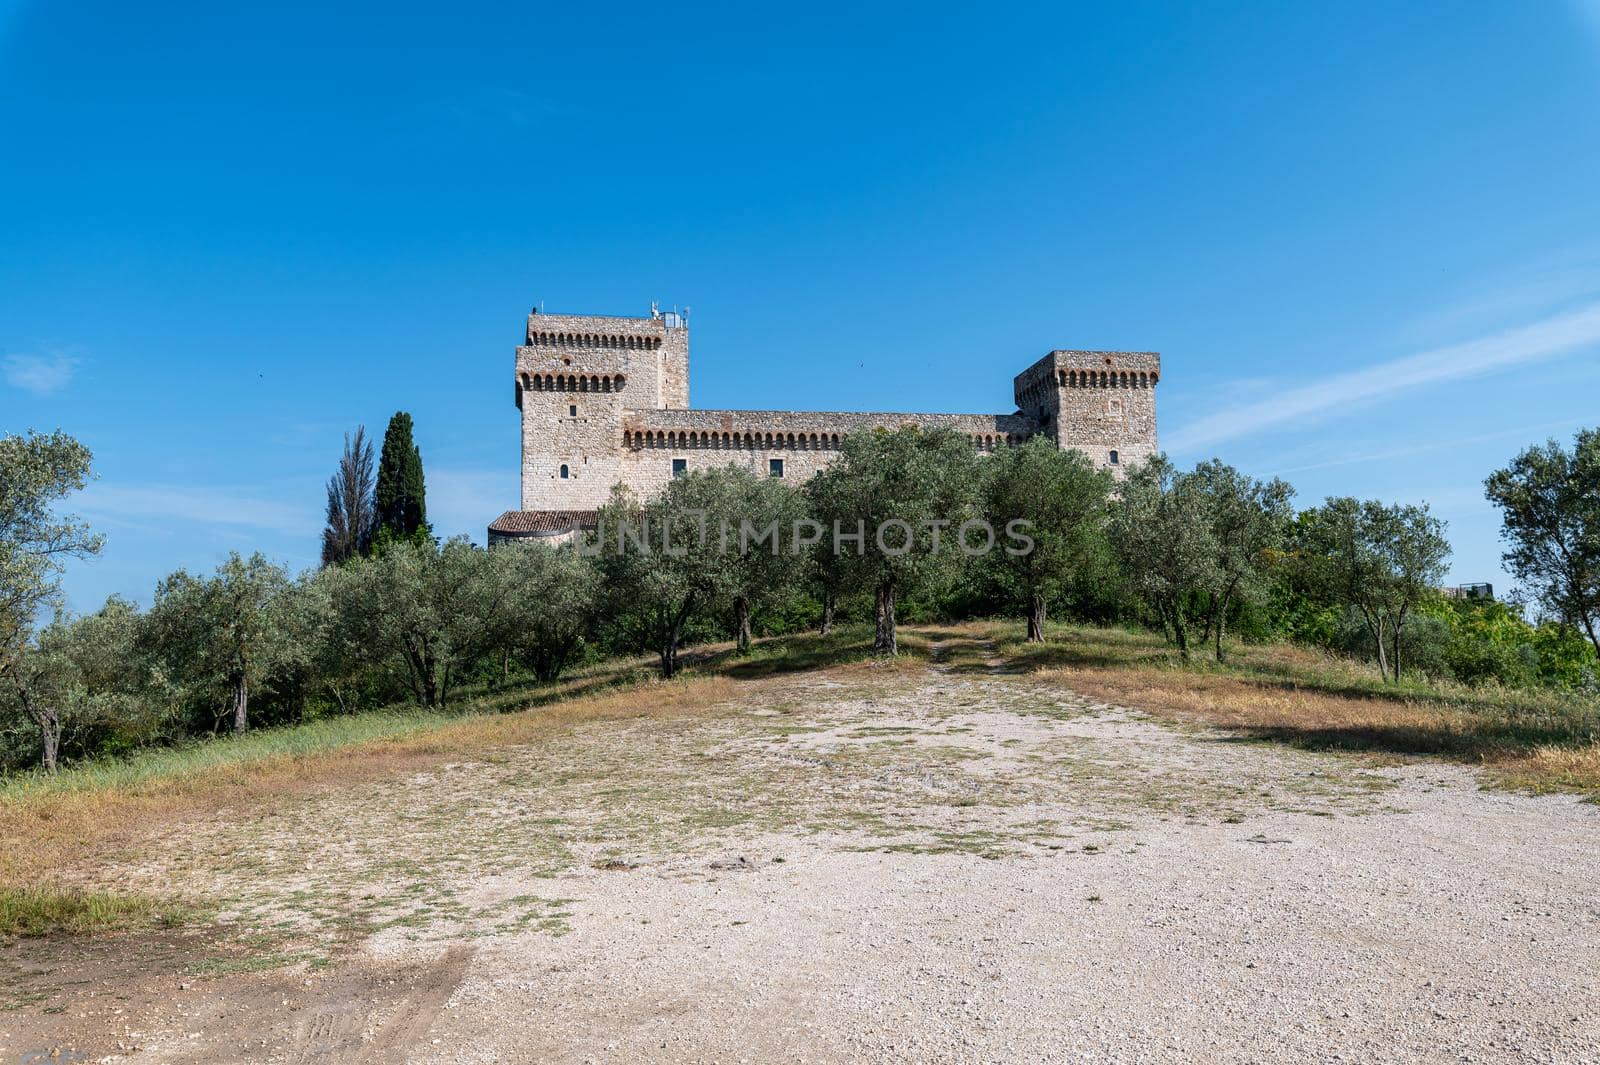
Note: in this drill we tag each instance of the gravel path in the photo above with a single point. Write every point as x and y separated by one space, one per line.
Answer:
1462 930
961 867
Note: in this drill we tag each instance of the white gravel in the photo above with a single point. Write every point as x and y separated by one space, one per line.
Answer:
1454 925
1156 895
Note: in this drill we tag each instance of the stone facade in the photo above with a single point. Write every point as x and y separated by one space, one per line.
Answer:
606 400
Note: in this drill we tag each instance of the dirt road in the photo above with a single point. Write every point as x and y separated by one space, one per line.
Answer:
950 865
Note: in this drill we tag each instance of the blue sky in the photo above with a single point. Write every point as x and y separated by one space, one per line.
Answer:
1364 236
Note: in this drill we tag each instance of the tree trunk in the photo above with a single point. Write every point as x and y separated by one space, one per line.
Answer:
1211 618
49 721
669 656
239 703
887 641
671 638
741 622
1383 656
50 746
1180 635
1397 654
419 670
827 612
430 683
505 666
1221 623
1036 619
1588 626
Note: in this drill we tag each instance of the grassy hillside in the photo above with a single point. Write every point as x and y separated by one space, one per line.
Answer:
1536 740
54 826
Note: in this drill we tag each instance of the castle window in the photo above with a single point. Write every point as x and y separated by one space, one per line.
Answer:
680 467
775 467
1114 459
565 473
572 410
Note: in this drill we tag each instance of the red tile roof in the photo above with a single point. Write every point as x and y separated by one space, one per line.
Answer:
541 522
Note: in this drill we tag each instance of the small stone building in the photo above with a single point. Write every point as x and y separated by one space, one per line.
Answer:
606 400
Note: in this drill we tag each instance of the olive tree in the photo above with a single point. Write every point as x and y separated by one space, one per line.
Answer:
897 511
1380 560
80 679
1061 498
1549 499
663 561
1161 533
551 607
763 559
424 613
823 568
1248 520
37 471
222 636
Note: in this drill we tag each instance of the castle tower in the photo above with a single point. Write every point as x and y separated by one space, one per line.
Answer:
605 401
1102 403
575 376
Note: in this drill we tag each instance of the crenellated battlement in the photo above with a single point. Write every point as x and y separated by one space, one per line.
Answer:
605 400
613 341
1087 369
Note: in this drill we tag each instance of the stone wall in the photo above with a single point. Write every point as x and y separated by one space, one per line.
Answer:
605 400
572 432
1102 403
650 354
804 441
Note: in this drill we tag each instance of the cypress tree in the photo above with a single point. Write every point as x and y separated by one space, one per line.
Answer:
400 495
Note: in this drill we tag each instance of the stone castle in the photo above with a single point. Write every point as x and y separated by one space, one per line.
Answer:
606 401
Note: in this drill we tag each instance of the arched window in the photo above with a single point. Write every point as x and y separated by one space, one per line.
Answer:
565 473
1114 459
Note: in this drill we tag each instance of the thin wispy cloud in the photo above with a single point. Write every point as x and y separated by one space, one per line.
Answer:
1521 433
176 506
1555 336
1516 296
40 374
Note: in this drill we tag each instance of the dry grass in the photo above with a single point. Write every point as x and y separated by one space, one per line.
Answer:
49 831
35 911
52 828
1529 740
55 830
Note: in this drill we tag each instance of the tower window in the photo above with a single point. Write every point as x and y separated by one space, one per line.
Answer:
572 410
775 467
1114 459
680 467
565 473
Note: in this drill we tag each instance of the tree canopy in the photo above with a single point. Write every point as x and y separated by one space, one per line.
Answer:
400 495
1379 559
37 471
227 632
352 511
1063 498
1248 520
898 502
1161 532
1549 499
